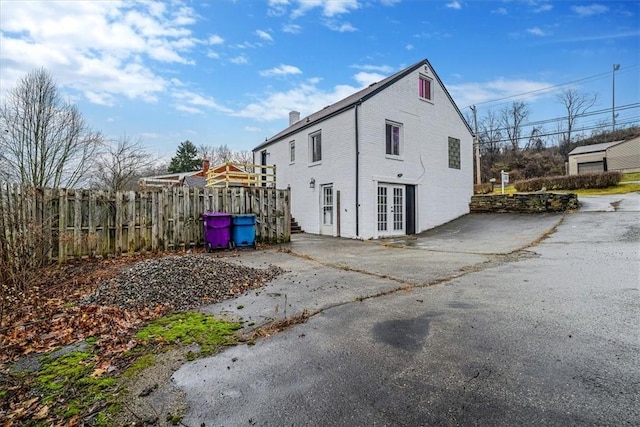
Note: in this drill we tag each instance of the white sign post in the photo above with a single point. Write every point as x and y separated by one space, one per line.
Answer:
505 179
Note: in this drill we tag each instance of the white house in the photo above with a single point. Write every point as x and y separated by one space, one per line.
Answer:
621 156
392 159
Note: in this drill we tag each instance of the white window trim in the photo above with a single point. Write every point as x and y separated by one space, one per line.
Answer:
311 135
401 147
292 143
429 100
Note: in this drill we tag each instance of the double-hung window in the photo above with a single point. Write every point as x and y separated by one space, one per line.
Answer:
315 147
292 151
424 88
393 138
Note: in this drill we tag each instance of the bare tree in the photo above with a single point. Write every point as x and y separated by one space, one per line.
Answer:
576 104
222 153
512 118
536 139
45 141
243 156
121 163
489 133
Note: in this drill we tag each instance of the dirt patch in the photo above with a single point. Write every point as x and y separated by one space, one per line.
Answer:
150 398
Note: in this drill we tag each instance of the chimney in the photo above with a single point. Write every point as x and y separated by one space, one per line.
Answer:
294 116
205 166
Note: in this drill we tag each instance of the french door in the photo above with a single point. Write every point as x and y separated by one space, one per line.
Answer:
391 210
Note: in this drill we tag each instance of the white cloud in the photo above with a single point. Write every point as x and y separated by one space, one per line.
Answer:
386 69
306 98
281 70
252 129
480 92
215 39
300 8
337 7
455 4
500 11
99 98
536 31
543 8
593 9
264 35
409 47
366 79
241 59
101 49
188 109
291 28
191 102
344 27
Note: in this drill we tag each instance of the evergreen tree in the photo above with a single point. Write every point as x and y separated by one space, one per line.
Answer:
186 159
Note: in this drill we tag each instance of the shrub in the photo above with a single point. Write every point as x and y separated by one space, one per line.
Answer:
482 188
571 182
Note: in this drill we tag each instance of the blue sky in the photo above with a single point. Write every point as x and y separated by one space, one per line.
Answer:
228 72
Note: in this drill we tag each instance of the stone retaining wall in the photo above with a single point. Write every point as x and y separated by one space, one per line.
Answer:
523 202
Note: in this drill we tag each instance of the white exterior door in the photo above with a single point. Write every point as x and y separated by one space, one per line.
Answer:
391 218
326 210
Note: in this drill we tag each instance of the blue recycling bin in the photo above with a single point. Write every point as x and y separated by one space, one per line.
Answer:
243 232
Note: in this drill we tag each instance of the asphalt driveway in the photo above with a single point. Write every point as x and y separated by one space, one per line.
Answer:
488 320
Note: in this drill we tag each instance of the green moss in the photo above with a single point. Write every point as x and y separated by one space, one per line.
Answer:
58 373
190 328
174 419
69 376
143 362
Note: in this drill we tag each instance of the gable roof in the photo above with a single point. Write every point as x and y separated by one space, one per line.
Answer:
354 99
593 148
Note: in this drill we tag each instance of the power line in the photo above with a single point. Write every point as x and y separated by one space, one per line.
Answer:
626 120
554 87
629 122
577 116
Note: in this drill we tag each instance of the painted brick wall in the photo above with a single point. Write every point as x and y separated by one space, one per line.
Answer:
423 159
442 194
337 168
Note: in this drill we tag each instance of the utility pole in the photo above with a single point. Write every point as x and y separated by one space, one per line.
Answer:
476 144
616 67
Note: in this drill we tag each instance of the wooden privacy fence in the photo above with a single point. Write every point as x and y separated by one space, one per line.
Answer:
70 223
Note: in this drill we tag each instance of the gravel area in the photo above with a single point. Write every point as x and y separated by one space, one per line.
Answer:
180 281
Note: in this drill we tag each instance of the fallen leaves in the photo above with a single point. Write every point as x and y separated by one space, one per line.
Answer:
49 317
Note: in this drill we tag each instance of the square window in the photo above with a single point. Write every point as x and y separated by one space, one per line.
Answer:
315 147
424 87
393 134
454 153
292 151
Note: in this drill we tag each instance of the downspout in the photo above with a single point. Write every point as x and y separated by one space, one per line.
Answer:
357 172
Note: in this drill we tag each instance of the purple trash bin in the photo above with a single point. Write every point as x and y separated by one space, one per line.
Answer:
217 230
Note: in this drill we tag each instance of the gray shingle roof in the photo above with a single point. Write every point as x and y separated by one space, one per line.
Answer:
195 181
593 148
